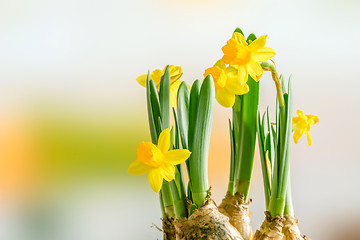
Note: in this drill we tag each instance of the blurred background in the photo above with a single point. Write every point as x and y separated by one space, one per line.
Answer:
72 113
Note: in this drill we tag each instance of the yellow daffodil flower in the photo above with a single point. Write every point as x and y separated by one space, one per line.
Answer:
158 160
247 57
302 124
175 74
227 83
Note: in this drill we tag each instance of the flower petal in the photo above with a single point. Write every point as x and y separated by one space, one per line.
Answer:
168 171
220 64
240 38
297 135
175 73
244 89
263 54
300 113
177 156
164 141
224 97
174 87
243 75
155 179
138 168
156 76
142 80
234 84
258 43
254 69
308 136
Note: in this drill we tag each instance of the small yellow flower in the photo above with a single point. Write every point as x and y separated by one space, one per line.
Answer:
175 74
227 83
302 124
158 160
246 57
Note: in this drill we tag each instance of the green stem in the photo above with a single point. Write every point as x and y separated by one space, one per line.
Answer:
266 171
277 206
168 200
289 208
162 204
231 187
179 179
234 167
246 136
282 154
278 187
200 141
179 204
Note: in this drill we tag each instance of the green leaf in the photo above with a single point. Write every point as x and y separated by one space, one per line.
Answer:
282 81
164 96
183 112
232 156
150 111
272 142
193 106
262 149
236 110
172 138
155 106
179 176
288 102
193 207
177 134
247 135
201 139
239 31
251 37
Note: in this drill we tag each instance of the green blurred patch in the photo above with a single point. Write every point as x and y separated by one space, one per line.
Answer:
80 147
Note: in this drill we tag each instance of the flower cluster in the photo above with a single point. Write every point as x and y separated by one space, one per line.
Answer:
243 59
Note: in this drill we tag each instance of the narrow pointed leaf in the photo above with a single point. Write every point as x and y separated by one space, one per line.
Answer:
183 113
164 97
150 111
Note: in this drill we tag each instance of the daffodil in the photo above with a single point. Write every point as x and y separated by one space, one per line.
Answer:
227 83
175 74
302 124
158 160
247 57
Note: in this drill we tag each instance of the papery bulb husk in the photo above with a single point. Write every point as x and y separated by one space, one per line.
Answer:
169 229
237 209
206 223
291 229
271 228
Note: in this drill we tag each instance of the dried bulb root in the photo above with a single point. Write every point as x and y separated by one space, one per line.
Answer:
291 229
271 228
237 209
206 223
169 229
